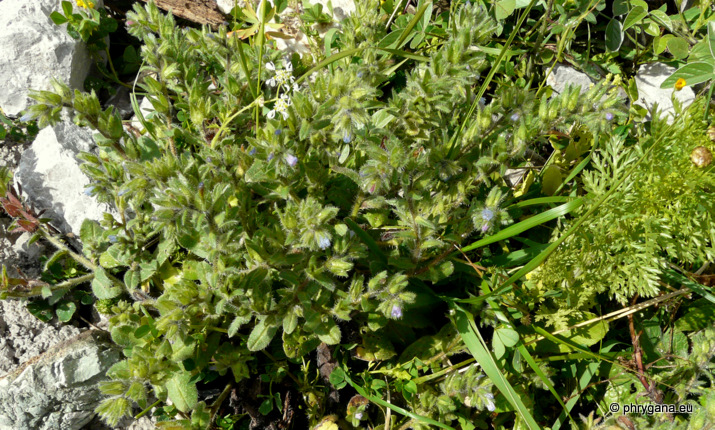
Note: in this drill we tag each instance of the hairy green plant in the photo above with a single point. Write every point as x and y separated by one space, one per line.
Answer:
329 218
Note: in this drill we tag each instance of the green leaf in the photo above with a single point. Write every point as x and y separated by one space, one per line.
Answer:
90 232
661 43
526 224
693 73
413 23
330 336
236 324
711 37
261 335
58 18
65 310
379 401
67 8
635 16
551 180
102 286
614 35
662 18
477 347
696 318
509 337
620 7
504 8
678 47
182 392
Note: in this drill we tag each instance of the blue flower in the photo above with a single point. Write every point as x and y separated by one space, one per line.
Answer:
292 160
323 242
609 116
252 151
27 117
278 132
270 156
489 402
88 190
487 214
515 117
396 312
347 137
112 238
360 74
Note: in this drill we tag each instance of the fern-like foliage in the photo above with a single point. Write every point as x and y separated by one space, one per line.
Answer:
650 206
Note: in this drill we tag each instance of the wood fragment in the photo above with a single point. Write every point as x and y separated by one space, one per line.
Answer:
198 11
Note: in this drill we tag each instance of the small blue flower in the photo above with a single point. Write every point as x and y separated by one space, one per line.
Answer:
360 74
270 156
515 117
27 117
347 137
487 214
489 402
252 151
88 190
278 132
292 160
112 238
609 116
323 242
396 312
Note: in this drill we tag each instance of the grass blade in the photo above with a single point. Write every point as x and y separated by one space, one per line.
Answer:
399 410
478 348
532 222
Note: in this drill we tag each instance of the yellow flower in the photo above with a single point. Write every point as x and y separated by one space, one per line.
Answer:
85 4
680 84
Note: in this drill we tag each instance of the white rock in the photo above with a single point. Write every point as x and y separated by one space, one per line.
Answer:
226 5
58 390
341 8
51 179
299 42
563 75
35 49
648 80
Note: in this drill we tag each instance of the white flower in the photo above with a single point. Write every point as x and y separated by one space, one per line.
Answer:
281 107
283 78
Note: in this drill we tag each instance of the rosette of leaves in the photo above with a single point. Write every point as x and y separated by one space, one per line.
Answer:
235 237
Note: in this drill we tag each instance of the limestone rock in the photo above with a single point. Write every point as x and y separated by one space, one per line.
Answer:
563 75
35 49
51 179
58 390
648 80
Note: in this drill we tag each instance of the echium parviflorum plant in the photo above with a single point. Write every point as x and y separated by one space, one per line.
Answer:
265 211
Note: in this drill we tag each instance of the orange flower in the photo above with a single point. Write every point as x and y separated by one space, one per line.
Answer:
680 84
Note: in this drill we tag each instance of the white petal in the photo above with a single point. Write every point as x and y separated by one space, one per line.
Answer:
270 66
271 114
289 66
285 115
272 82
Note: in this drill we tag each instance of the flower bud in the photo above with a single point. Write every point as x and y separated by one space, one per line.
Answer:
701 156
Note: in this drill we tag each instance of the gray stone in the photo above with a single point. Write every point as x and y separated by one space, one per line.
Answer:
648 80
35 49
23 336
51 179
563 75
58 390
